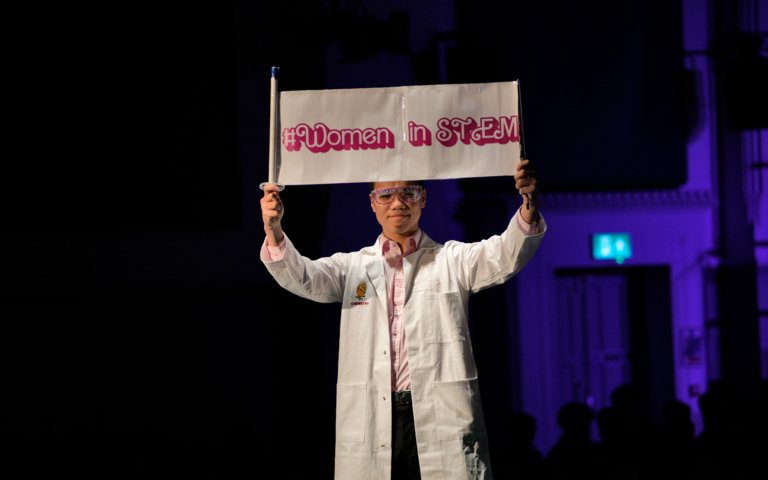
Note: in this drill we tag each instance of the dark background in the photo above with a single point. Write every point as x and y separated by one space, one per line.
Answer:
141 337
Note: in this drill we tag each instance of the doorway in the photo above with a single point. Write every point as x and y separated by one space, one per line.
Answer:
615 327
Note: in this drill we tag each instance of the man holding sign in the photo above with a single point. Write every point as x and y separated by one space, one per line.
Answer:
407 404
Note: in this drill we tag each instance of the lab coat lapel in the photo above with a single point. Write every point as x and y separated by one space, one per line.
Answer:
374 266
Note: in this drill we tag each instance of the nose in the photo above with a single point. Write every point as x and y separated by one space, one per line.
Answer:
397 201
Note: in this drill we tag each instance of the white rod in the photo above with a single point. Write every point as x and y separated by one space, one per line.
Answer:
272 123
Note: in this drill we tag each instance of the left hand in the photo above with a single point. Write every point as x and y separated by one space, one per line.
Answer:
525 183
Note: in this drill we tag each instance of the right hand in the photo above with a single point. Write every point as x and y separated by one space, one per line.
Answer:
272 213
526 183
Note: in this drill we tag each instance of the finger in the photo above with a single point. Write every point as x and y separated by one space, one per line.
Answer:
271 188
526 182
527 176
271 201
528 190
524 166
271 210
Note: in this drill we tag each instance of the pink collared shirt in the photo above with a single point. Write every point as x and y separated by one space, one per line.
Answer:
393 270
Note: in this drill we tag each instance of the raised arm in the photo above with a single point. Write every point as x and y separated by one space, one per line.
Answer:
272 213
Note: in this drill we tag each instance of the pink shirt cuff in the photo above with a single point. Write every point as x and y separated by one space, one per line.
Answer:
528 229
272 254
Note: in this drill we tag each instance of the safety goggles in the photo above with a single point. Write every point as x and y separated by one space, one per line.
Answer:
408 194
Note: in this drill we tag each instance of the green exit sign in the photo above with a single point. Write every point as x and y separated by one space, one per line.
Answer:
611 246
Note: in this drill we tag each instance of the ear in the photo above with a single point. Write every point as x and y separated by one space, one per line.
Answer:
424 198
373 207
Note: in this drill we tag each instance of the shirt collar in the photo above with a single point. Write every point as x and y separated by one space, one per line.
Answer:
411 244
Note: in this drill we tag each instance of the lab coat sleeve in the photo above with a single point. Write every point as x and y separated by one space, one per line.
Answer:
495 260
320 280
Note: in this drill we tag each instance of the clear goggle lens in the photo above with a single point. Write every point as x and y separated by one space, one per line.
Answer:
408 194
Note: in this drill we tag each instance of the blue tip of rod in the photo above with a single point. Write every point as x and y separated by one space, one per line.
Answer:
274 71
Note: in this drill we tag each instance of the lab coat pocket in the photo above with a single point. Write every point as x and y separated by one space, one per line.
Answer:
446 318
457 408
351 403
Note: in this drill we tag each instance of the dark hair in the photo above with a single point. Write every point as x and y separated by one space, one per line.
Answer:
412 182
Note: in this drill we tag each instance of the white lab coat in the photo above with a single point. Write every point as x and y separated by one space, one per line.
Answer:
450 430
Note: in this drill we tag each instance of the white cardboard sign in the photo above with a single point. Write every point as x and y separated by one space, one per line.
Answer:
399 133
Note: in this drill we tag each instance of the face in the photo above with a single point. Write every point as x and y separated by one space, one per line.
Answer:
398 218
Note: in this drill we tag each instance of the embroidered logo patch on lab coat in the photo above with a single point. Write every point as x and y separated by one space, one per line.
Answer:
360 293
362 287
